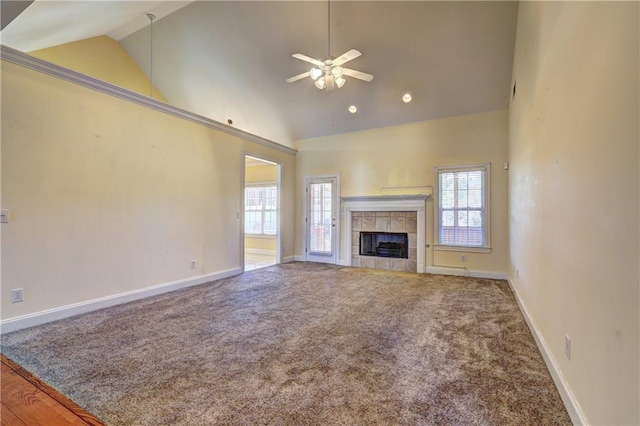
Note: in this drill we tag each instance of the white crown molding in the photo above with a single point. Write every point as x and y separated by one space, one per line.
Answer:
22 59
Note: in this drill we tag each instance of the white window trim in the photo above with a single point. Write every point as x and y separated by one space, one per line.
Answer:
486 168
261 185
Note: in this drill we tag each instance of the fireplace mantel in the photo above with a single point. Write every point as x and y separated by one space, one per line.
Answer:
379 199
386 203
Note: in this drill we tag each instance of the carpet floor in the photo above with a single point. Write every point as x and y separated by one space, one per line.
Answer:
302 343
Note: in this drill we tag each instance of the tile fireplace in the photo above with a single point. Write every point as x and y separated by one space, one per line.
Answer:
392 229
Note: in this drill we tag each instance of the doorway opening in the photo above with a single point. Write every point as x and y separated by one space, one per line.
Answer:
261 231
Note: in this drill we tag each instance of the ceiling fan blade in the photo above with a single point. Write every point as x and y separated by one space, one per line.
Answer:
357 74
346 57
299 77
308 59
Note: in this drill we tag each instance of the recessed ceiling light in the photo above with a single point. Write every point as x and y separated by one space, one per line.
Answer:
353 109
406 98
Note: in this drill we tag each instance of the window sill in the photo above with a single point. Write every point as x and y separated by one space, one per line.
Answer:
466 249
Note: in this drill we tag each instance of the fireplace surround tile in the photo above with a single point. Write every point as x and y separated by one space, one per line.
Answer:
368 223
398 224
383 223
392 221
355 237
413 241
398 264
367 262
382 263
386 213
413 254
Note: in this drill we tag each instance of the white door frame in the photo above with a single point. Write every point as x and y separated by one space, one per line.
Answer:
278 164
335 244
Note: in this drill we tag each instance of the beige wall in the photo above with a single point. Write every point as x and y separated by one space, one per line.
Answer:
263 243
107 196
103 58
573 148
404 156
261 174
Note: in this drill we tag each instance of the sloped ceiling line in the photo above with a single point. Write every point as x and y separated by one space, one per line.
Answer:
16 57
230 59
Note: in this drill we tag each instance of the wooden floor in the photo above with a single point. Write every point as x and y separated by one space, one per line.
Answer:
255 261
26 400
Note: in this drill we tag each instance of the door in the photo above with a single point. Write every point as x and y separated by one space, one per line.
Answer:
321 218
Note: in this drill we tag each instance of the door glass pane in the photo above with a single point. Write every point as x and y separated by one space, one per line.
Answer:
320 217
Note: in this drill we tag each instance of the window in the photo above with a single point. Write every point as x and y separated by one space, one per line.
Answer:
462 197
260 203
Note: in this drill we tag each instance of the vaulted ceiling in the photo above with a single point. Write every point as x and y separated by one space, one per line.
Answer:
230 59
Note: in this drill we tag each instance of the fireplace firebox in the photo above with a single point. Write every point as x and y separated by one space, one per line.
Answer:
384 244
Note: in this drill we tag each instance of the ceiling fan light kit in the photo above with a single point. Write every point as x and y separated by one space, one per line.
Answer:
329 74
315 73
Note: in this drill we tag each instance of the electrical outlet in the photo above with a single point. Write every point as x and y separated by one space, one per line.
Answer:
193 264
17 295
463 258
567 346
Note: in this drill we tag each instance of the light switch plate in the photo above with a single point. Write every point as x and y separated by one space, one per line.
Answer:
4 216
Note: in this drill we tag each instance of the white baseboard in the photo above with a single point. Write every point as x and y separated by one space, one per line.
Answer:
42 317
444 270
260 251
570 402
288 259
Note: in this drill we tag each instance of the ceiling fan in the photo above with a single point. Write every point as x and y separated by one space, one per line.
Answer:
330 73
